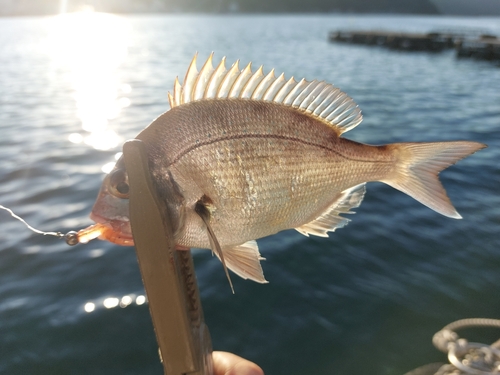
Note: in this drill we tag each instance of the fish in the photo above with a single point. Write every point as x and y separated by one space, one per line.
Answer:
242 155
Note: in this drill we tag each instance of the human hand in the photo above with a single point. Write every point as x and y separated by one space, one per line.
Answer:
230 364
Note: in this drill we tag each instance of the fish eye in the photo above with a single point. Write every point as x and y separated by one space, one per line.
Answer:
118 183
122 188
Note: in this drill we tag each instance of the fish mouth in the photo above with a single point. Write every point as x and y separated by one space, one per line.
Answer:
117 231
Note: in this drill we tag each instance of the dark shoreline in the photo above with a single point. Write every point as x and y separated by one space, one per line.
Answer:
44 7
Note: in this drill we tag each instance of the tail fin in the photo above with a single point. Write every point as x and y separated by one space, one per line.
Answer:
417 168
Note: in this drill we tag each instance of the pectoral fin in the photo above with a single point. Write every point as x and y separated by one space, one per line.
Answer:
330 220
202 210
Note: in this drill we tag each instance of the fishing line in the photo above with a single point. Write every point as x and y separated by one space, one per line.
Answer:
56 234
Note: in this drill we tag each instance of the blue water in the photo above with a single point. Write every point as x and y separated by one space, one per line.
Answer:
367 300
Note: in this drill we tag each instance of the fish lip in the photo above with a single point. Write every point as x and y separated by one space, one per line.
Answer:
99 219
116 226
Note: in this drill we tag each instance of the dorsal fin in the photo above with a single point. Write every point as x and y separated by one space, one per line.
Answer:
317 98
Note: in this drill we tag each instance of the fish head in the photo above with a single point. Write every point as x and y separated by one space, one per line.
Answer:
111 207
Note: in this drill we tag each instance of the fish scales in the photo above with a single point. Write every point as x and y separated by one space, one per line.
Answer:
243 155
246 156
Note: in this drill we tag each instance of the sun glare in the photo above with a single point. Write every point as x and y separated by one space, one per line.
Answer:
92 46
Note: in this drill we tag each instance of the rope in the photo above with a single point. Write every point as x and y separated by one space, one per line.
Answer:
473 322
468 357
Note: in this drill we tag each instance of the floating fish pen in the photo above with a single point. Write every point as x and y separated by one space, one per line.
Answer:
485 48
482 46
395 40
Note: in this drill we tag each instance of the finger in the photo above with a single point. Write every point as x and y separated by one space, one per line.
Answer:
230 364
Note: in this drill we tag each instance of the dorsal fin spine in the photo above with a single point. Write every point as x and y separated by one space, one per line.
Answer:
241 81
171 100
326 102
263 86
290 98
317 98
274 88
285 90
255 79
349 119
334 104
228 81
202 79
309 99
304 93
329 103
337 112
189 80
177 92
215 79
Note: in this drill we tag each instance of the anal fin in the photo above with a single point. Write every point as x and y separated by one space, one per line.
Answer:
330 220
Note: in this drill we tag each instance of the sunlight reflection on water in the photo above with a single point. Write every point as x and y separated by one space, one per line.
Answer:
112 302
92 46
106 168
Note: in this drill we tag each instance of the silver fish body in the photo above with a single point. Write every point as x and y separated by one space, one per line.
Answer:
265 167
244 155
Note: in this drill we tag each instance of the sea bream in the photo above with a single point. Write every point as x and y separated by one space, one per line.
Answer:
242 155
